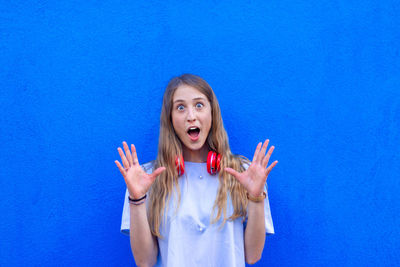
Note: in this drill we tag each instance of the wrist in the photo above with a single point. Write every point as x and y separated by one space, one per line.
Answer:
135 194
258 198
137 201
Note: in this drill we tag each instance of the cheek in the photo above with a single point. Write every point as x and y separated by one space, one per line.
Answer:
210 117
208 120
176 122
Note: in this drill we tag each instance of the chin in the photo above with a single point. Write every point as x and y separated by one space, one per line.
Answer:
195 147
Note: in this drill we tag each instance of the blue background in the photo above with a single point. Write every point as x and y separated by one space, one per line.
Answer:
320 79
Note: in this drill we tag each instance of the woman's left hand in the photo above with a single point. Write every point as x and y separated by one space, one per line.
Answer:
254 178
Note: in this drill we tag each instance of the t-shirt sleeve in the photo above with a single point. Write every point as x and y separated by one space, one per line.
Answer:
125 221
269 226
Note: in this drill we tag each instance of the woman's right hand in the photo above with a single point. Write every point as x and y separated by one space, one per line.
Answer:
137 180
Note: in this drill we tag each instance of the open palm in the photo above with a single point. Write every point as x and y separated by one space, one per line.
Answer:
254 178
137 180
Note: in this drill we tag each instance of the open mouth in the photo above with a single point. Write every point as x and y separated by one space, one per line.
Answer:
193 133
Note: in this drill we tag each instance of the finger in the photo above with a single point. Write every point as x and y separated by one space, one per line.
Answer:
271 166
267 157
128 153
135 159
262 151
235 174
157 172
256 152
121 169
123 158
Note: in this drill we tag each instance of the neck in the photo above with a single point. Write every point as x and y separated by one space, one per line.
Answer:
195 155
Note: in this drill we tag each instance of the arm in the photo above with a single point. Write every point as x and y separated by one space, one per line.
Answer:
253 180
254 234
143 243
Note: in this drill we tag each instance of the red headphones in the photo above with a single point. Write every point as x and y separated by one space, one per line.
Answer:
213 163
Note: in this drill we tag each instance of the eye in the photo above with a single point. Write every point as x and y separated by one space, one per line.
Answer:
180 107
199 105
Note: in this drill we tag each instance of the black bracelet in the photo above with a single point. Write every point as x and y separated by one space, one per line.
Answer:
131 200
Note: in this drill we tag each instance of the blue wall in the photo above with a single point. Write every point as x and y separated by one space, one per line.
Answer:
320 79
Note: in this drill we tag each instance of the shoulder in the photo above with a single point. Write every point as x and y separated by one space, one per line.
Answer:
148 166
243 161
237 162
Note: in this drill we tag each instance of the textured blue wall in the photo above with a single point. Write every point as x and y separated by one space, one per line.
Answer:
321 79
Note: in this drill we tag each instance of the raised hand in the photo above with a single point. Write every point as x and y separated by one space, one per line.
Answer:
137 180
254 178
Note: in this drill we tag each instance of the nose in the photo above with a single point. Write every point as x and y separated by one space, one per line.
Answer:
191 115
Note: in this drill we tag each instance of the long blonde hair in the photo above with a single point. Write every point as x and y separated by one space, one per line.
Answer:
169 146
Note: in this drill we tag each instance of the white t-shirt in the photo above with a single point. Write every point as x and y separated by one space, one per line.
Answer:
189 238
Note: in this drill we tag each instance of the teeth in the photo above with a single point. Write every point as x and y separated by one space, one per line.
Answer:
192 128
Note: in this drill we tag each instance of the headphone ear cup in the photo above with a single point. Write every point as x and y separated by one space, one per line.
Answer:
212 162
209 157
180 165
218 167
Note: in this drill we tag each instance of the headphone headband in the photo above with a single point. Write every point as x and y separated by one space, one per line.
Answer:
213 163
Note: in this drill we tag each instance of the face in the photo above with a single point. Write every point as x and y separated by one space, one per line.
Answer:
191 117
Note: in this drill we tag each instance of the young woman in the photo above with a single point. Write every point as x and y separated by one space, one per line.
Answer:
197 204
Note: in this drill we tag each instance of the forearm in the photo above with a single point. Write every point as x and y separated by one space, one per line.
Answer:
143 243
254 235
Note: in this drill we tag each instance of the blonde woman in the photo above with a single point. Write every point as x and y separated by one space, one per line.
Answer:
197 204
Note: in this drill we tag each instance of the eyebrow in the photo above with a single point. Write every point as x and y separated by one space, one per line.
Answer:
196 98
